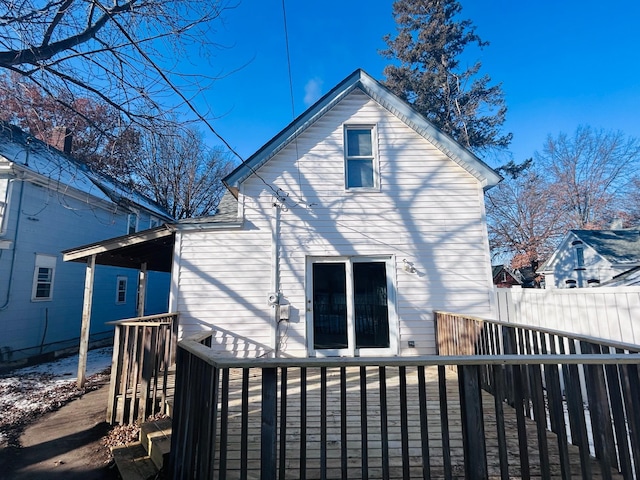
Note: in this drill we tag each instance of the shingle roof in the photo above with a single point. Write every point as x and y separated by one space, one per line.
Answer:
30 154
227 212
617 246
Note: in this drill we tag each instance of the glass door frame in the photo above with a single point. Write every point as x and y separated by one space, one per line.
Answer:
351 350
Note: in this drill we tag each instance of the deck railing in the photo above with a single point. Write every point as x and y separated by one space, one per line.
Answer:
406 417
144 352
586 404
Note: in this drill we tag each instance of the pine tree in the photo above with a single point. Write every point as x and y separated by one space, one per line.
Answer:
427 73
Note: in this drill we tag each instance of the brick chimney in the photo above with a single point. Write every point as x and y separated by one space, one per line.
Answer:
62 139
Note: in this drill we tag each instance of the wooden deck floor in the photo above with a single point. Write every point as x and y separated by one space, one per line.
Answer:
354 445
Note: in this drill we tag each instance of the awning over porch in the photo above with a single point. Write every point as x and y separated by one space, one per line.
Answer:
146 250
153 247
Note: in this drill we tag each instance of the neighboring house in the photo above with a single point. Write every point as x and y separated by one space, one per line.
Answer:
49 202
505 277
591 258
340 236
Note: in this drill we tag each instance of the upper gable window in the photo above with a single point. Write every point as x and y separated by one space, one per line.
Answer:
360 157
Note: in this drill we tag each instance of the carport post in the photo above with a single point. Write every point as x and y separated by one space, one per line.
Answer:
86 320
142 288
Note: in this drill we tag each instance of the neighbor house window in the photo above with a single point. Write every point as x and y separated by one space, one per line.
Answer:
4 195
580 256
121 290
360 159
132 223
43 278
153 222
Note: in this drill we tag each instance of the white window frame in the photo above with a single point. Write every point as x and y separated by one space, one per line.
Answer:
125 280
153 222
6 189
391 305
47 262
132 216
374 157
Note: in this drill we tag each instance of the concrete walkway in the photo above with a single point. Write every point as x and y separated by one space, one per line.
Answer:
66 444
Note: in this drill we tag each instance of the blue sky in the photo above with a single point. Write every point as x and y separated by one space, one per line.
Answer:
561 63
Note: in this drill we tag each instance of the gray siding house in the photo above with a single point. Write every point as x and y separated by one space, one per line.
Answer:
592 258
48 203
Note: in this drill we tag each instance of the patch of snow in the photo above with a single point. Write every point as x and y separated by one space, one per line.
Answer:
29 392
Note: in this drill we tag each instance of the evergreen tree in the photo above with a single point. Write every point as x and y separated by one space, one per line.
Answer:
428 74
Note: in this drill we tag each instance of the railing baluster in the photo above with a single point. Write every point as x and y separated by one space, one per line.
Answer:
283 423
631 392
244 425
323 423
269 432
576 409
473 438
224 423
518 399
617 410
424 424
444 423
404 422
599 411
497 372
364 415
384 431
556 410
343 423
303 423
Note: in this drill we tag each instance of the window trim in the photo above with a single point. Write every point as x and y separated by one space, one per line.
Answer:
374 157
121 278
45 262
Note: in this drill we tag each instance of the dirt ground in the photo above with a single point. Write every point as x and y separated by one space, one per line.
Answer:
69 443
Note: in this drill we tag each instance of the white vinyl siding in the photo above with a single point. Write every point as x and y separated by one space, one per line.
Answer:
427 210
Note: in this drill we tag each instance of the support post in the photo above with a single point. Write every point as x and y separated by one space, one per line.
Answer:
142 288
86 320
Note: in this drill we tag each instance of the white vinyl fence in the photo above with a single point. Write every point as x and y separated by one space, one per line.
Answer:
607 313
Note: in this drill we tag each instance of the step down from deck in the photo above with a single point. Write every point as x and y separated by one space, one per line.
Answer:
133 462
155 436
142 460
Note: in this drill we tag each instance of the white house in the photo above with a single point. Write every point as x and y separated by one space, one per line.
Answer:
49 202
340 236
590 258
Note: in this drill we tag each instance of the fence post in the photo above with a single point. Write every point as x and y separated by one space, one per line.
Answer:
268 450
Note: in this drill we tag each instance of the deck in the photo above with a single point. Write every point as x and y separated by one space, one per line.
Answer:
311 458
500 401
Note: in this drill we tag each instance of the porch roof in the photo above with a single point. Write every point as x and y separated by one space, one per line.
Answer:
153 247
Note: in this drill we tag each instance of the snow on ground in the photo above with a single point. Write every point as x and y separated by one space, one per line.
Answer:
29 392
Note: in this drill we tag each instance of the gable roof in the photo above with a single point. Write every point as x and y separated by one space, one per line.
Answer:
26 153
616 246
384 97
